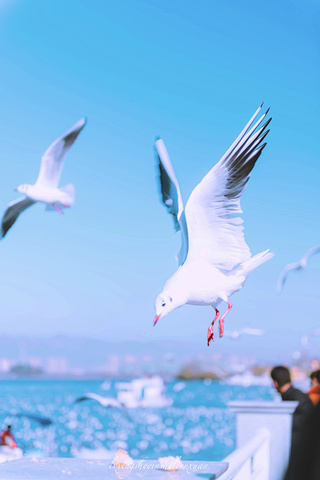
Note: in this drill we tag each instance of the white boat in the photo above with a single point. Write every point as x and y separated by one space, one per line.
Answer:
247 378
143 392
8 453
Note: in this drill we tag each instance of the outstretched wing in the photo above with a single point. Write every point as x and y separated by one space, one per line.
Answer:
309 253
284 273
13 211
81 399
171 196
214 227
104 401
53 158
43 421
90 396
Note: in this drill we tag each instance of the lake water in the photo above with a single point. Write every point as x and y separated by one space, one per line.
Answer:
196 426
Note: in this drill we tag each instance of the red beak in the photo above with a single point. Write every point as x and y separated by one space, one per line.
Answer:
156 318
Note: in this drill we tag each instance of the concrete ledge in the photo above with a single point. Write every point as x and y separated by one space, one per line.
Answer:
84 469
267 408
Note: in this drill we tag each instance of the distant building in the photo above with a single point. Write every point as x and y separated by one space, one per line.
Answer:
35 362
297 373
112 368
57 366
6 364
25 370
315 364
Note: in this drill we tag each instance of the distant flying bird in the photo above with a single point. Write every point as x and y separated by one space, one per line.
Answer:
46 188
236 334
302 263
104 401
214 259
43 421
305 339
107 402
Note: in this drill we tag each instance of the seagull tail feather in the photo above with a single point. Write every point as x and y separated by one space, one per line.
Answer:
247 267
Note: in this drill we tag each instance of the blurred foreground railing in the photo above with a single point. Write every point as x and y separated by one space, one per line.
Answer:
263 440
251 462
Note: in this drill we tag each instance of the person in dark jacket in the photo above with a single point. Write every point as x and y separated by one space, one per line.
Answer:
306 463
282 382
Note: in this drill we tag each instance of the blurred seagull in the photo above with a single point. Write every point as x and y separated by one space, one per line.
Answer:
46 187
302 263
107 402
104 401
214 259
43 421
235 334
305 339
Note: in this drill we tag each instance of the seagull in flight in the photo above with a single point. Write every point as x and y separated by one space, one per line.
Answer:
107 402
214 259
236 334
46 188
302 263
104 401
44 422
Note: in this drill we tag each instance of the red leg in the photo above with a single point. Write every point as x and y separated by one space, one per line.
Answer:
210 329
222 319
57 208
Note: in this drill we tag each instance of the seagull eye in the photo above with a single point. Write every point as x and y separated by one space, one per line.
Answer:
163 304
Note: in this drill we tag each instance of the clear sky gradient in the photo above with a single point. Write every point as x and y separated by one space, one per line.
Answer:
193 73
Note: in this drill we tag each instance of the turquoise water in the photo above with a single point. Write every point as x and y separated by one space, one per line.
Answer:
197 426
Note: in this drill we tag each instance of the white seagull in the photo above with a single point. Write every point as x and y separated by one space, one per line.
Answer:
46 188
104 401
107 402
214 259
236 334
302 263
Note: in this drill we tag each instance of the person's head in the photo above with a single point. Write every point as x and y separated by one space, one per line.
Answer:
281 377
315 378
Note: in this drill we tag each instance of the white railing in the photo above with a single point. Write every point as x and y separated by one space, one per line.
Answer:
250 462
276 417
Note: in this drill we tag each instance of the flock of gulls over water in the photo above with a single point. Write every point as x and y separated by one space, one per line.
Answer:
214 259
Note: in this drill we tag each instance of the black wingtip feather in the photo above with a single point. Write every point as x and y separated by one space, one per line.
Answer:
267 123
261 148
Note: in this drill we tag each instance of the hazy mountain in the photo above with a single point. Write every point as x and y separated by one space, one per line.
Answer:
85 352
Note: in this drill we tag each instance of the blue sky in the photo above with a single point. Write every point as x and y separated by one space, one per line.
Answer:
194 73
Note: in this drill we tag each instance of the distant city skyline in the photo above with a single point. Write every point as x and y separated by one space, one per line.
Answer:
64 355
193 73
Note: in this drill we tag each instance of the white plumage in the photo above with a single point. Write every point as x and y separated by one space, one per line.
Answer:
214 259
46 188
104 401
107 402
